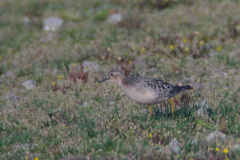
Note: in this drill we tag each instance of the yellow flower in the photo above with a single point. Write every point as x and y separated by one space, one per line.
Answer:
108 49
225 150
172 47
26 157
119 58
184 40
157 55
216 149
186 49
218 48
143 49
130 62
150 135
60 77
36 158
191 159
53 83
201 43
74 64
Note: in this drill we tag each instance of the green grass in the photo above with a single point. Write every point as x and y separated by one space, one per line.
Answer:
69 113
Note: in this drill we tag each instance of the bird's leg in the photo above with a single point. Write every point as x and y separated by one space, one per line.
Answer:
150 111
172 103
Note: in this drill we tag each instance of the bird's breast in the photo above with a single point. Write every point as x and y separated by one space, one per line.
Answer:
141 95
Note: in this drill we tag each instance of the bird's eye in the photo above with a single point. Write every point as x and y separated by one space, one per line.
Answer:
111 74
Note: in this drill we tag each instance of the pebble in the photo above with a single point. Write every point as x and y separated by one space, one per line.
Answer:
114 18
52 23
90 66
214 135
174 146
236 147
29 84
26 20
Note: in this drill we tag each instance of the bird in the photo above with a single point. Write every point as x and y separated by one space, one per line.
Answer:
145 90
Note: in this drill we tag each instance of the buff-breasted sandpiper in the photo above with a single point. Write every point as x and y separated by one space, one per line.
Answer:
145 90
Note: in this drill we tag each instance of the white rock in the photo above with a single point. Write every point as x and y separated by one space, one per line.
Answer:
52 23
8 74
224 75
214 135
202 111
85 104
173 146
26 20
90 66
194 141
114 18
236 147
29 84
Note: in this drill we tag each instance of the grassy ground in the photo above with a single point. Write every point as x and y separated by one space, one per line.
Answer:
68 113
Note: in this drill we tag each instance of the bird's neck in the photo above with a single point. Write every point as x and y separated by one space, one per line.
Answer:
126 81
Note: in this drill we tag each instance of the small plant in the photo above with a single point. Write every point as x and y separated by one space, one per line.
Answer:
125 65
75 74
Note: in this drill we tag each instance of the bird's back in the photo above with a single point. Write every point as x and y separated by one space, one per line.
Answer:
146 90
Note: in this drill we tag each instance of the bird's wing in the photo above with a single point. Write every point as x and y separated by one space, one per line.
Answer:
163 89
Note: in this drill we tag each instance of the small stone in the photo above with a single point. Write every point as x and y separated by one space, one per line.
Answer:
21 146
194 141
90 66
114 18
52 23
85 104
9 74
224 75
214 135
174 147
26 20
236 147
202 111
29 84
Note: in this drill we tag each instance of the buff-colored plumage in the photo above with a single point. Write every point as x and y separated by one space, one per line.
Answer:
144 90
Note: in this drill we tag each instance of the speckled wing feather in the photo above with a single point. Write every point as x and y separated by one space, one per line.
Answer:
178 89
161 88
158 86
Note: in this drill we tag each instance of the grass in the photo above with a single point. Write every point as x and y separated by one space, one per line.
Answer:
69 113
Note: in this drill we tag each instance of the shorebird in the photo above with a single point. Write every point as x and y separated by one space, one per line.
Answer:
145 90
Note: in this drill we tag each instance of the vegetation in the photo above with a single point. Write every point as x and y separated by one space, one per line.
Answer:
192 42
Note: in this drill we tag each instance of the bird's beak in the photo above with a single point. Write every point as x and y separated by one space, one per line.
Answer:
104 80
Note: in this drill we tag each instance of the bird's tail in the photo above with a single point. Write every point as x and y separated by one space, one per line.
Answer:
178 89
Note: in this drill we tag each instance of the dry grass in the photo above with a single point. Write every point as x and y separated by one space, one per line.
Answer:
68 113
